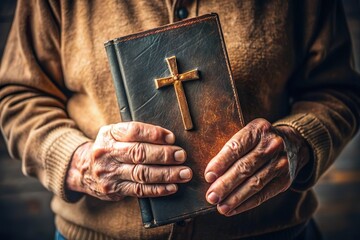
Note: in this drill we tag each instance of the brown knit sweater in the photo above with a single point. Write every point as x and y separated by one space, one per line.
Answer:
290 61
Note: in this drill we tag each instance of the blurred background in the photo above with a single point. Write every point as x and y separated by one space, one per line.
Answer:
25 204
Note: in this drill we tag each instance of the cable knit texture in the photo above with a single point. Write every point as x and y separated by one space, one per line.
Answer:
291 62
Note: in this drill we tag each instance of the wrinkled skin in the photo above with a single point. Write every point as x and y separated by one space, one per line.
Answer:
253 166
140 160
128 159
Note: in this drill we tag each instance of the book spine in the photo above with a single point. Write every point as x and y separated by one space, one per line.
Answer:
115 61
226 56
146 212
118 82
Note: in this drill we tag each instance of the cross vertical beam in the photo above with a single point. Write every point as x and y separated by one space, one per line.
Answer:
176 80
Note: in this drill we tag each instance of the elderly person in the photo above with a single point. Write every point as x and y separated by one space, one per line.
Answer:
291 63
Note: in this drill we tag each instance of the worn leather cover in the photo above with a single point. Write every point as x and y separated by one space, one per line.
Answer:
137 60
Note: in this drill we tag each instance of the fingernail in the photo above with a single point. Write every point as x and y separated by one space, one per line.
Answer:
223 209
210 177
170 138
170 188
185 174
180 156
213 198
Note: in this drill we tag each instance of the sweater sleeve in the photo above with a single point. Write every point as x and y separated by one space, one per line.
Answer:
325 93
33 97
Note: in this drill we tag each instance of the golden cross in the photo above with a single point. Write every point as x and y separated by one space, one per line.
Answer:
176 79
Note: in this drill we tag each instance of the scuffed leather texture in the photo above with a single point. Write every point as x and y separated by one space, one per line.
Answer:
213 103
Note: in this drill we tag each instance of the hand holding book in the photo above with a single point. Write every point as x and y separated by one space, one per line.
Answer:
128 159
257 163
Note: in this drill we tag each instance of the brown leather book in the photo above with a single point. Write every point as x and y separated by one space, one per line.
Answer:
178 76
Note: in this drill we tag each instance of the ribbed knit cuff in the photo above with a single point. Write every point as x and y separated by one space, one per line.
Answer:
57 152
318 137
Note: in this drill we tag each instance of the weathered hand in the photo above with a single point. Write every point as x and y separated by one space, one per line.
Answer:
253 166
128 159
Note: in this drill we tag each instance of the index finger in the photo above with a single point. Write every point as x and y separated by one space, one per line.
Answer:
141 132
239 145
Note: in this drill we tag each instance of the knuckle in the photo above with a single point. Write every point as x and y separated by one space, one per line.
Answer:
104 134
158 190
105 188
97 171
113 155
251 128
140 174
252 132
272 145
97 151
265 126
103 130
278 142
235 148
265 139
282 165
133 129
259 182
102 188
154 134
124 189
161 155
166 175
118 187
139 190
256 184
244 166
148 190
137 153
261 124
102 147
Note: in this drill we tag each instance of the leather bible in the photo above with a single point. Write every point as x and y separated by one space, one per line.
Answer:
178 77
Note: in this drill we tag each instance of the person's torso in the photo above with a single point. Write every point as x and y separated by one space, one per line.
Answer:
262 58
